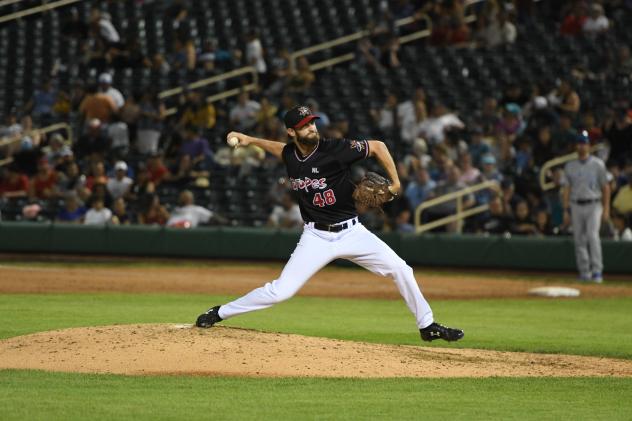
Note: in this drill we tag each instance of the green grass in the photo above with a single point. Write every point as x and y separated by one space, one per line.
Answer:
586 327
39 395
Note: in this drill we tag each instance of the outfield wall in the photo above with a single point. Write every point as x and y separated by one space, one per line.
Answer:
263 243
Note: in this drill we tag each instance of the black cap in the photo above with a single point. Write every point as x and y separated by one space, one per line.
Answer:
298 116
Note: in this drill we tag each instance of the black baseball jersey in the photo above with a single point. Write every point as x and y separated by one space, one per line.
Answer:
321 181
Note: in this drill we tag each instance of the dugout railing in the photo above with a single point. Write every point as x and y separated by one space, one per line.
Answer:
460 214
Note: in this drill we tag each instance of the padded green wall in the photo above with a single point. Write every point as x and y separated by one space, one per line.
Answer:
259 243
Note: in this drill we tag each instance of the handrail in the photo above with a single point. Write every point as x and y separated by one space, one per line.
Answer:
460 212
548 185
217 97
354 37
213 79
37 9
43 130
8 2
6 161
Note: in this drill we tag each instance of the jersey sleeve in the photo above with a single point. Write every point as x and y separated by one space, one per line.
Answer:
602 175
350 151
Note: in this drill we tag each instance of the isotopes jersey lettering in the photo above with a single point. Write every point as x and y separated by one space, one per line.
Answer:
321 181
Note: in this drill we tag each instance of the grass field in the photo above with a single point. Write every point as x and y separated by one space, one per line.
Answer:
599 327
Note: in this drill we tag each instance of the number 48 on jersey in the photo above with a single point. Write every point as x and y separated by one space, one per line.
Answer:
326 199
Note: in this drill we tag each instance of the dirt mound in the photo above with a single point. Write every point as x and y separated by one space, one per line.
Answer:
181 349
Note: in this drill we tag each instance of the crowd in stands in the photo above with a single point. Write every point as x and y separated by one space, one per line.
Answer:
128 145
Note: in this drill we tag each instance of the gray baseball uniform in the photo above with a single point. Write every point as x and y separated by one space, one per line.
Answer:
586 180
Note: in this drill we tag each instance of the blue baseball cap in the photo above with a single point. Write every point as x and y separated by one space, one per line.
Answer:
582 137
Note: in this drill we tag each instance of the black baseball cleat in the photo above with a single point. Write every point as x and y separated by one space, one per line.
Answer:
437 331
209 318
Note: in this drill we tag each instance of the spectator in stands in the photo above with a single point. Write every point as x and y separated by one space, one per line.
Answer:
489 116
622 231
73 211
117 133
490 171
56 149
421 188
368 54
212 58
40 107
402 222
98 214
188 214
71 181
511 124
494 221
243 115
120 215
105 87
44 183
477 147
522 224
97 105
622 202
563 139
416 159
119 185
542 223
13 183
254 53
596 23
497 30
411 113
152 211
433 129
194 152
564 98
157 170
618 131
574 21
301 77
469 173
96 175
286 214
102 25
183 56
149 123
197 112
450 185
279 73
93 144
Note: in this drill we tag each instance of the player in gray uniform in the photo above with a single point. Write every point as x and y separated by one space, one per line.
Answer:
586 198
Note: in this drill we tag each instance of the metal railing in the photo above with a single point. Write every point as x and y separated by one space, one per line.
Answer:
460 213
35 10
215 79
548 165
17 137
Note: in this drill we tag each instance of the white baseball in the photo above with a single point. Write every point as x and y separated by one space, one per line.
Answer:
233 141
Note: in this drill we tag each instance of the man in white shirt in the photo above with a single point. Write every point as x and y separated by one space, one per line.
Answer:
188 215
286 215
105 86
98 214
597 22
120 184
243 116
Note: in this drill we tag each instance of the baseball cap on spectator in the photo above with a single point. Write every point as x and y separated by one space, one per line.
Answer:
582 137
120 166
298 116
95 122
105 78
513 108
488 159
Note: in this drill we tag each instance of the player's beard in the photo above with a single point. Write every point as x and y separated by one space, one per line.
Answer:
309 140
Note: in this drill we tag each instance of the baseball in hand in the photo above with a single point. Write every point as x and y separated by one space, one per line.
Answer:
233 141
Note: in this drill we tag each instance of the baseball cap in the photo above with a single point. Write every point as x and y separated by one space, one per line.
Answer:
298 117
488 159
582 137
105 78
120 165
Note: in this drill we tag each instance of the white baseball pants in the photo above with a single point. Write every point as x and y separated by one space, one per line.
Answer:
315 250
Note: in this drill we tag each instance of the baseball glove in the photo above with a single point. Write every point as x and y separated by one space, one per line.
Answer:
372 191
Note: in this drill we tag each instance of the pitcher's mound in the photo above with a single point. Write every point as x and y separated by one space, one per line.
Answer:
183 349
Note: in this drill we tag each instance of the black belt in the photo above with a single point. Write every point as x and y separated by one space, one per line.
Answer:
335 227
586 201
